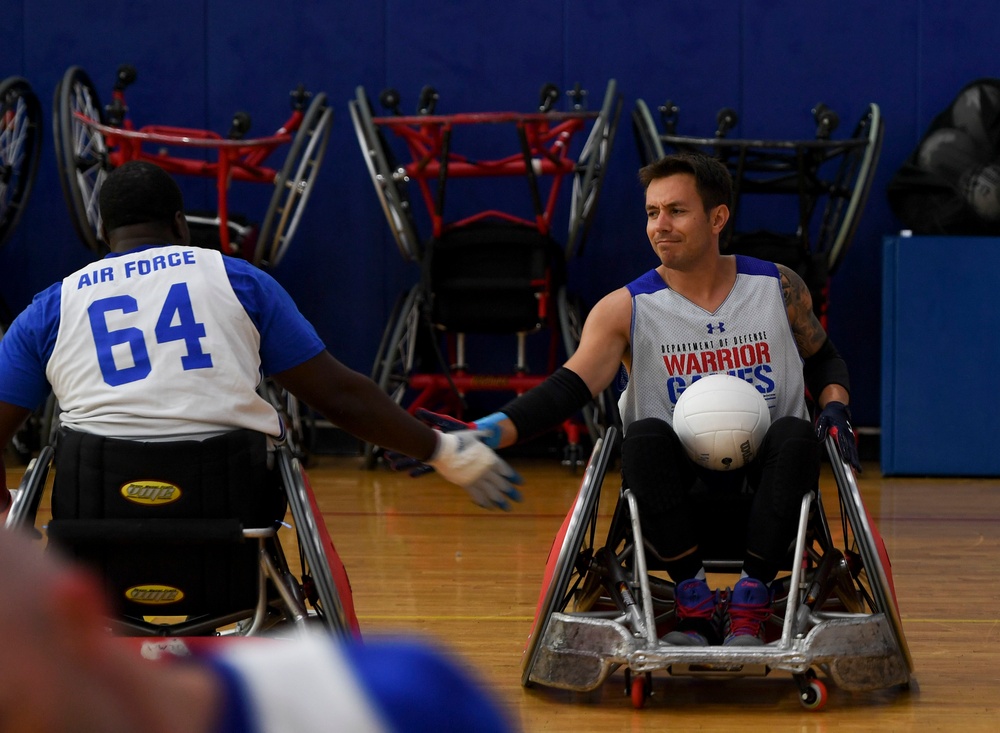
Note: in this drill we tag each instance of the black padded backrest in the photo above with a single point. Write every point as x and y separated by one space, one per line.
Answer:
491 277
162 522
108 478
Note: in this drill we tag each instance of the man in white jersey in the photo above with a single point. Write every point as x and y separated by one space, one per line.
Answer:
161 341
63 673
700 312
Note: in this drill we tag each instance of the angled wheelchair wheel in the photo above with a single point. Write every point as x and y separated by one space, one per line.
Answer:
322 571
387 177
647 137
571 553
602 413
295 182
849 188
397 353
866 555
81 153
22 513
590 170
297 422
20 148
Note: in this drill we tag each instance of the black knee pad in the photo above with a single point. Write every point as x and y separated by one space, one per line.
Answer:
788 466
788 469
655 466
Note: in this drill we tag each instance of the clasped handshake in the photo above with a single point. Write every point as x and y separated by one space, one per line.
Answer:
465 456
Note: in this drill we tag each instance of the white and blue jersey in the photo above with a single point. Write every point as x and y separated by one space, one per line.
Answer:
675 342
157 342
314 684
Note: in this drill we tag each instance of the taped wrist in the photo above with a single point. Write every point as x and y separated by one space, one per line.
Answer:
825 367
561 395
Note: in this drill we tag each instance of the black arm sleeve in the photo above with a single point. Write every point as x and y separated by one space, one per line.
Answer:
825 367
548 404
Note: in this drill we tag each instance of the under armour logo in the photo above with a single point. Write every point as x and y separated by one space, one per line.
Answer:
713 327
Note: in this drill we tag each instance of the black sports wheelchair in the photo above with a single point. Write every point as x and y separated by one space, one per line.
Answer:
189 536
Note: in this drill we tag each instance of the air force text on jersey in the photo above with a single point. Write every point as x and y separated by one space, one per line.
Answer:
136 267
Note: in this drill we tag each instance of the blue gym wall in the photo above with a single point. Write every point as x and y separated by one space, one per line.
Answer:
771 60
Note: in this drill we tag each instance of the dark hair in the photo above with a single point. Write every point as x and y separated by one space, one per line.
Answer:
139 193
711 177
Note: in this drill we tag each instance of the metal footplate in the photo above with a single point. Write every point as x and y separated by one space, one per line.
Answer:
859 652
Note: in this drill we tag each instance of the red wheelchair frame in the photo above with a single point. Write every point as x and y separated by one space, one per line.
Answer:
544 160
547 148
91 140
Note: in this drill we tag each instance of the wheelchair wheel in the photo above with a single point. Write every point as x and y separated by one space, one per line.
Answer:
388 178
590 170
321 565
647 138
571 552
81 153
397 353
294 183
297 424
20 148
22 513
849 189
602 413
866 554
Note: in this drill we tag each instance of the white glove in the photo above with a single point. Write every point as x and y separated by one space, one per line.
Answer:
464 460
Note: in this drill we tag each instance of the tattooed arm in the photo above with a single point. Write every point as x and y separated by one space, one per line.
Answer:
810 337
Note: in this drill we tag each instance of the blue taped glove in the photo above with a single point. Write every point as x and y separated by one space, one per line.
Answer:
836 420
464 457
488 427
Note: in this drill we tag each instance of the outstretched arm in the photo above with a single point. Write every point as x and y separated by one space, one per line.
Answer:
603 347
355 403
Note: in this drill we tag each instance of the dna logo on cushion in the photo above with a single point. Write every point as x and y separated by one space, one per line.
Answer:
150 492
154 595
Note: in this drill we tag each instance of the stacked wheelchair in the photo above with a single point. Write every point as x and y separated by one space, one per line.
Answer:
603 607
91 139
20 148
487 271
797 202
193 557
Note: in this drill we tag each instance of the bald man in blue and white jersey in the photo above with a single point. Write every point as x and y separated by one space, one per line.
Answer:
163 341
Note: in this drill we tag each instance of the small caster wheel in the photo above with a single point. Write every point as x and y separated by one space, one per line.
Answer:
812 694
641 689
